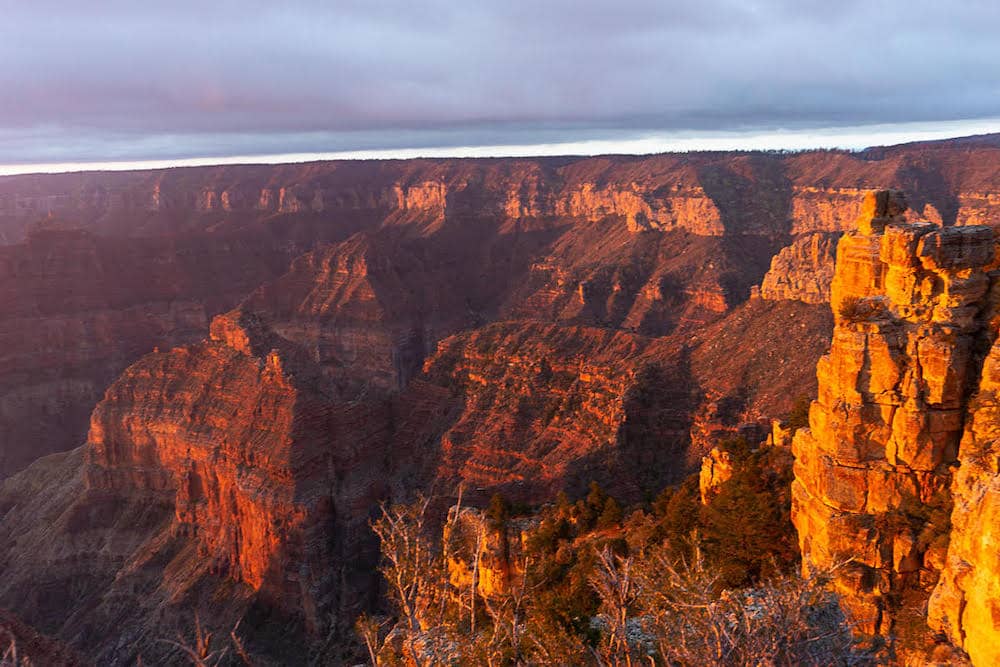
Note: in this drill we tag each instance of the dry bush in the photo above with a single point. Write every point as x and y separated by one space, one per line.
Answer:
10 658
414 572
199 649
436 623
852 309
857 309
686 619
618 591
408 561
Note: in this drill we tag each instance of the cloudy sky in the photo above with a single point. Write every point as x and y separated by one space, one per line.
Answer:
120 80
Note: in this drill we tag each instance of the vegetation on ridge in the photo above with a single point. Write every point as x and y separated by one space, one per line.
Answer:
577 582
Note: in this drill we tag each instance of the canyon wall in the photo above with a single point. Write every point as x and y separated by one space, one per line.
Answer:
802 271
547 407
965 605
266 470
76 309
912 307
377 301
705 194
524 326
421 193
652 244
247 465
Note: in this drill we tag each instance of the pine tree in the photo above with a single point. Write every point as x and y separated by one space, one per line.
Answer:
498 512
611 514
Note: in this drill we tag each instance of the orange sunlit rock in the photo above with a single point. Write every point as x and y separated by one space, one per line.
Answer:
910 303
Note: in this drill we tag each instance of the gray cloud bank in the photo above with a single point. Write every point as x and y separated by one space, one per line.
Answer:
118 80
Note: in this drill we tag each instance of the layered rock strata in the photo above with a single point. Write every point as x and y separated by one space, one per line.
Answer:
654 245
966 602
803 270
266 472
76 309
542 408
910 303
707 194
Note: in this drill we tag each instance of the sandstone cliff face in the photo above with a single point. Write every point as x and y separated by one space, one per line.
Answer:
482 555
709 194
716 470
978 208
824 209
653 284
682 208
236 492
872 471
802 271
362 310
253 474
966 602
244 445
420 192
76 309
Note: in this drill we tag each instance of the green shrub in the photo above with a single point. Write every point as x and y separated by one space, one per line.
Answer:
611 514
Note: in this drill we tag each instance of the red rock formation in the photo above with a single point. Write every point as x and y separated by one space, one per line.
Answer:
966 602
479 553
802 271
547 406
539 400
684 208
243 443
908 302
716 470
368 309
76 309
649 283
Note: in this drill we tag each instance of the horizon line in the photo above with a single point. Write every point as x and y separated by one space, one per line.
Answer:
853 138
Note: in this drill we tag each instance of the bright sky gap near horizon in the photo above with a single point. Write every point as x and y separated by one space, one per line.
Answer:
123 85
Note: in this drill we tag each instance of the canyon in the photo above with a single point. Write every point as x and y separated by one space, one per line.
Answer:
214 375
